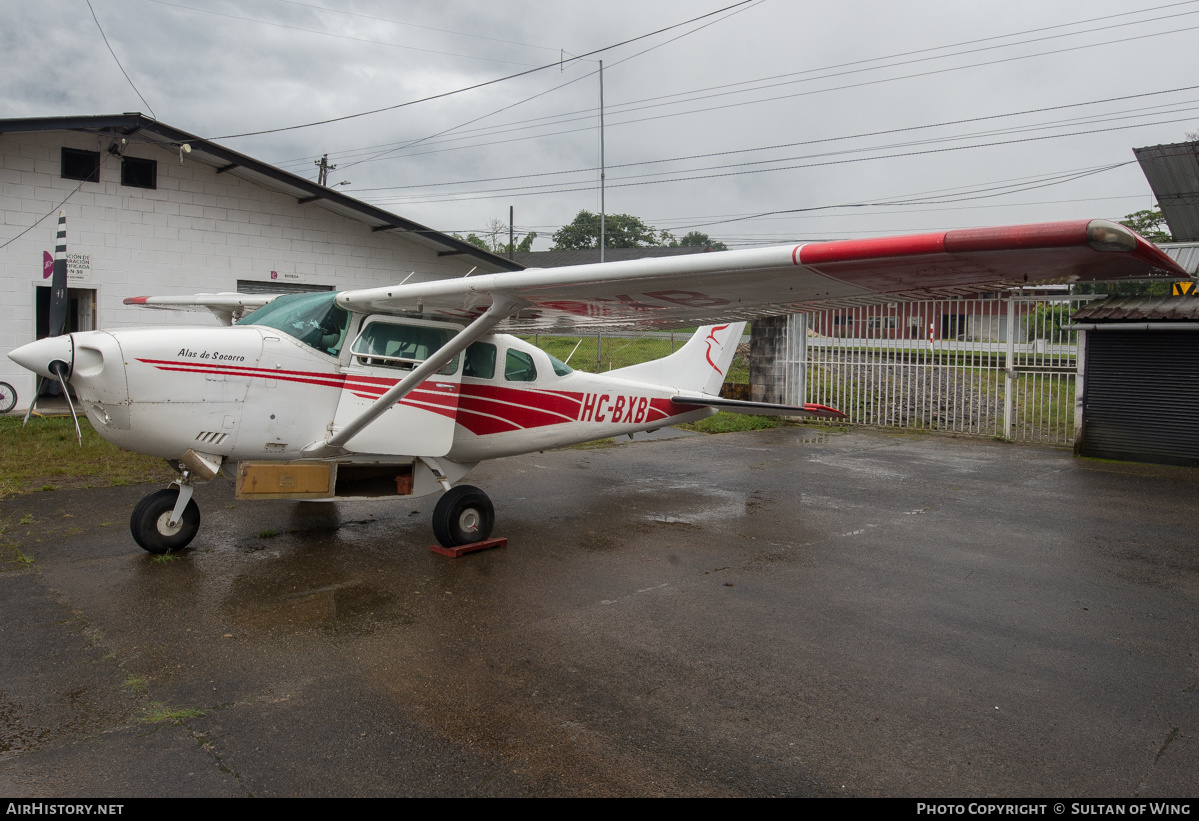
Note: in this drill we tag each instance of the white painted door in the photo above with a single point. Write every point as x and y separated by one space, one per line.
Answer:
385 351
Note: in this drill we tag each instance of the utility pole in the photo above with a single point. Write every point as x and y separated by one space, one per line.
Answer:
325 168
602 167
511 234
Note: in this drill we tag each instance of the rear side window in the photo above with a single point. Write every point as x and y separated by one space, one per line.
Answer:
519 367
480 361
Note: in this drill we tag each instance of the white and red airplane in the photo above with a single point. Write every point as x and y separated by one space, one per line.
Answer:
400 391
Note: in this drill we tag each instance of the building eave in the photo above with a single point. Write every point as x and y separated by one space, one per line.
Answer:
140 127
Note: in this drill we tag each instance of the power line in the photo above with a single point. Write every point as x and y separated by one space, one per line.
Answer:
680 223
779 146
118 61
548 91
962 196
636 105
476 85
491 194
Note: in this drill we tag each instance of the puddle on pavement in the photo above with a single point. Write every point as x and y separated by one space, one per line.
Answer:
690 503
353 605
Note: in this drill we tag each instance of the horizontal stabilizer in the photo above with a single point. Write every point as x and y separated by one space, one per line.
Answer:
224 306
759 408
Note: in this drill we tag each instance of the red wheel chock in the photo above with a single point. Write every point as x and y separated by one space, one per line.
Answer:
463 549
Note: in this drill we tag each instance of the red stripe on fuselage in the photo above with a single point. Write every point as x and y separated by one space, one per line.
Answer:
482 409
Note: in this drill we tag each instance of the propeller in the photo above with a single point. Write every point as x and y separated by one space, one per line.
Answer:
58 321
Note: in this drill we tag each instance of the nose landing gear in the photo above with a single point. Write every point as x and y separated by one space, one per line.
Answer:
165 520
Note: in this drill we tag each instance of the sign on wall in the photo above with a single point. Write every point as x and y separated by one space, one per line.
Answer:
79 268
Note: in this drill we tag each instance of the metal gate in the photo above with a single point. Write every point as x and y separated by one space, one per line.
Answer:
999 367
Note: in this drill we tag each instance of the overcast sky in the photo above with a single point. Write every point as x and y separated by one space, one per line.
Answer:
860 117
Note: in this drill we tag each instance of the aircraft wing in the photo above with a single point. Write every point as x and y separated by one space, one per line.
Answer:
732 285
698 289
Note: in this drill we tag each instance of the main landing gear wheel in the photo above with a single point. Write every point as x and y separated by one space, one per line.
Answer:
463 515
151 522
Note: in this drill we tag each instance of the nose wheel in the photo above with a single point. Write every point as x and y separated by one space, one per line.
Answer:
464 515
153 525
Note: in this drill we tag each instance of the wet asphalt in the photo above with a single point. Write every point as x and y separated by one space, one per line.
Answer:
785 612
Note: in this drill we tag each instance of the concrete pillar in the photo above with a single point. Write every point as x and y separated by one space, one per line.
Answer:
768 359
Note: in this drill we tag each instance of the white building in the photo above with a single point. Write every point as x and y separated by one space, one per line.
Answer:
154 210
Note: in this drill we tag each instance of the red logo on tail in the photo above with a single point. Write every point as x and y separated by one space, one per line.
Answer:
710 339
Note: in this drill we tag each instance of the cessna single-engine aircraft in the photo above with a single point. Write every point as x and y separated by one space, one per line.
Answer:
400 391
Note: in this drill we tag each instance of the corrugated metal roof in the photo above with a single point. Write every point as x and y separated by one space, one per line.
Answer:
1185 254
1173 174
139 127
1128 308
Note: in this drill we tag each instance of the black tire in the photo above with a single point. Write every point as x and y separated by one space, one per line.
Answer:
8 397
462 516
149 522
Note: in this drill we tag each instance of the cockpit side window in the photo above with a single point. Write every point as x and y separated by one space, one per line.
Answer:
314 319
401 346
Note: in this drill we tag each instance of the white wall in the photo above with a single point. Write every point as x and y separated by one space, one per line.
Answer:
199 231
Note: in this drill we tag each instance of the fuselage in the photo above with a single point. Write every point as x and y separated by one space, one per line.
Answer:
268 391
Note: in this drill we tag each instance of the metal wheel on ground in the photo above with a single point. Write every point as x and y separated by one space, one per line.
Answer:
463 515
151 522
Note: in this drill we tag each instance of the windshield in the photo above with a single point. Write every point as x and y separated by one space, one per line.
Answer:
315 319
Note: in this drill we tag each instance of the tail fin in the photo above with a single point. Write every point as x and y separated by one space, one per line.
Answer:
699 366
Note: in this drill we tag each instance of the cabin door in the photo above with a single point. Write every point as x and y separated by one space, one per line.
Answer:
385 351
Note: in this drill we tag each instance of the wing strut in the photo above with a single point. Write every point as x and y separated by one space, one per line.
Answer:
501 308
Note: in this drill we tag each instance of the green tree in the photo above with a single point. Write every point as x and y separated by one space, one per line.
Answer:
1149 223
526 244
692 238
620 231
473 239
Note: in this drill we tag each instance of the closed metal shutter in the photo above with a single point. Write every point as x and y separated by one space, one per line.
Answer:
1141 396
254 286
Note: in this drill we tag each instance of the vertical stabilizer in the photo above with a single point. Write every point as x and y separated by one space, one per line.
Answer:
699 366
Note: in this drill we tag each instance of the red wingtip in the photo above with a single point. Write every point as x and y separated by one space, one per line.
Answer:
136 300
824 410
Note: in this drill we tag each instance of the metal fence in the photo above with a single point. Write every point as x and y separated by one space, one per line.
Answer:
982 367
999 367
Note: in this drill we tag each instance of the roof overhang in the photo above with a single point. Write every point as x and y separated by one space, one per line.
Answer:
138 127
1173 174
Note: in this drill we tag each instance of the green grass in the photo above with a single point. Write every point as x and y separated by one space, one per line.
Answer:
724 422
162 714
47 448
